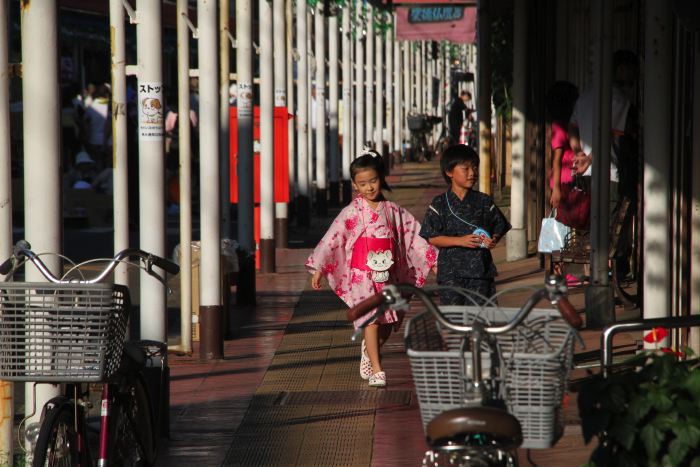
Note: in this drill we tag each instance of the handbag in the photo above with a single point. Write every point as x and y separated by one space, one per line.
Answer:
575 207
552 234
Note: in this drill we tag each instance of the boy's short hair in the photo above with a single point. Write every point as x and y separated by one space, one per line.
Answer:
457 155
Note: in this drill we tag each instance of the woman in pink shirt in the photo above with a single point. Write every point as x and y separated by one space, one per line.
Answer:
560 104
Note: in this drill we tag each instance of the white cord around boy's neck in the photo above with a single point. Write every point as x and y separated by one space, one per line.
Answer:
447 198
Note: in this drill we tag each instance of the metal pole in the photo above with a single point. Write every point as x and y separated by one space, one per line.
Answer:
448 74
244 72
291 130
599 299
42 154
390 88
658 97
483 101
151 164
694 303
517 237
184 153
320 54
398 101
347 104
378 93
406 107
303 201
224 118
210 307
6 387
418 77
359 84
267 157
369 84
120 177
334 153
280 63
311 111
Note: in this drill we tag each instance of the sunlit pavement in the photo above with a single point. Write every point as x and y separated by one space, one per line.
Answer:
288 390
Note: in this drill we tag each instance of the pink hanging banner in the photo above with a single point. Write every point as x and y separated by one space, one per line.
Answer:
437 23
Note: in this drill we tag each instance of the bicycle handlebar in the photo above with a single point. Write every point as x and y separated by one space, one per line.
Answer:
365 306
554 290
23 249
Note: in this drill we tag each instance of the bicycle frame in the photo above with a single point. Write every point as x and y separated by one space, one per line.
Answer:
23 250
478 409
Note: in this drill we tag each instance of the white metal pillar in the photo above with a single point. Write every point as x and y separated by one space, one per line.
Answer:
224 118
483 98
353 103
658 97
389 90
185 176
406 107
210 314
310 79
333 140
244 99
279 25
516 244
418 74
359 85
120 176
311 111
320 55
151 164
369 82
291 127
302 118
267 157
378 92
42 154
347 103
6 387
398 89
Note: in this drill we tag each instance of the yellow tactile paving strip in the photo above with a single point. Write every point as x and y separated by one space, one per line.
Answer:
312 408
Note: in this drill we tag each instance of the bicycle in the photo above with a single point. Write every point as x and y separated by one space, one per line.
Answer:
477 410
71 331
420 126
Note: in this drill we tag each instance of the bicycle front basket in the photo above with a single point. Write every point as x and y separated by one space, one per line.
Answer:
61 332
417 122
537 357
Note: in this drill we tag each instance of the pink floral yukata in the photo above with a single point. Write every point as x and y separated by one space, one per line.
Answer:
413 256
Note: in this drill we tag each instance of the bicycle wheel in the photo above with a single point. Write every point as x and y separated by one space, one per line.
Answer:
58 441
132 437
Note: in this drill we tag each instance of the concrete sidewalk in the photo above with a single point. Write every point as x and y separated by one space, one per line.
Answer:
288 390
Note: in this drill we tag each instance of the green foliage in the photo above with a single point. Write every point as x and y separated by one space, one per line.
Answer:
380 20
646 415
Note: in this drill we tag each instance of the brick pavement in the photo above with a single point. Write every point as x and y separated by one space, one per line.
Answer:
287 391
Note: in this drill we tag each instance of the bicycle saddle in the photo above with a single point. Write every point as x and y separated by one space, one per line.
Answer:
451 425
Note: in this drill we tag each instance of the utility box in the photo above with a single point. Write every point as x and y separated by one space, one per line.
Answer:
281 164
229 269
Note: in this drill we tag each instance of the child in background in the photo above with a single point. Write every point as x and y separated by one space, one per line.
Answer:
371 228
465 225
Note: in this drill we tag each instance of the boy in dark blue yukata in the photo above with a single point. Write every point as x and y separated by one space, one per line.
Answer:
465 225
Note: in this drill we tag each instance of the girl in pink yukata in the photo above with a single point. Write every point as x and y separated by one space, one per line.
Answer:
373 241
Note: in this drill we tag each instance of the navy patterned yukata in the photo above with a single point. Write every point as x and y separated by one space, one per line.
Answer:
470 268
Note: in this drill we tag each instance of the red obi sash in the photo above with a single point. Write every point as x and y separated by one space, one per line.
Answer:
364 245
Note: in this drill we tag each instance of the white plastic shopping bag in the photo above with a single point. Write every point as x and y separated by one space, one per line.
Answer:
552 234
